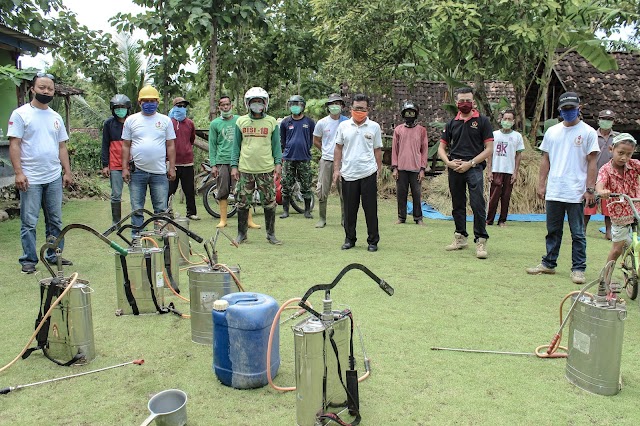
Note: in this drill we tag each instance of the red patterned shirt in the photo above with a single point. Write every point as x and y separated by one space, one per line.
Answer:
621 183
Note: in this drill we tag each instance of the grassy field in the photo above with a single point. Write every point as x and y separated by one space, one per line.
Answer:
441 299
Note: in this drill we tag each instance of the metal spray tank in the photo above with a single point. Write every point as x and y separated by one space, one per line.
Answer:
326 378
208 283
596 333
65 315
140 276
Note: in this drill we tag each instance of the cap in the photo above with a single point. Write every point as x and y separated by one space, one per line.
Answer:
179 100
220 305
568 99
607 113
623 137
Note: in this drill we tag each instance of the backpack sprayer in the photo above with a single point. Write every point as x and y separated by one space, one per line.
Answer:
140 275
596 329
326 378
64 327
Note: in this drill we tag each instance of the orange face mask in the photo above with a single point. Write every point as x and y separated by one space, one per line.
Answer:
359 116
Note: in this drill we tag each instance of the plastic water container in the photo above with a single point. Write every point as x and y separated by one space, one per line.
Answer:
240 336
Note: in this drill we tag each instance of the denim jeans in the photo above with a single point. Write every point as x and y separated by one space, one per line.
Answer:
458 183
555 223
49 197
115 178
158 188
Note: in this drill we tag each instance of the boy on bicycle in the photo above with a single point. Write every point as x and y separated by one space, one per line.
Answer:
620 175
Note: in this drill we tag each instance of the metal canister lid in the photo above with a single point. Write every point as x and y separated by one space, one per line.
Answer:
220 305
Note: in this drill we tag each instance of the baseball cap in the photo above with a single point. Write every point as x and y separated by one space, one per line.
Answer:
180 100
607 113
568 99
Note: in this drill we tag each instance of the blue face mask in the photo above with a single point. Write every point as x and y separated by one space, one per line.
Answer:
569 115
149 107
179 113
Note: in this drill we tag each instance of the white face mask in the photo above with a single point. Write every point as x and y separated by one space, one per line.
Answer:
256 107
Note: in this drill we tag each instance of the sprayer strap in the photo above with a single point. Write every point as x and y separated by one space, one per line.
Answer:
43 334
127 287
167 264
161 310
77 357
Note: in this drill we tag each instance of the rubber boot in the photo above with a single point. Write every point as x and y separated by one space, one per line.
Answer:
252 224
243 216
116 212
224 204
307 208
285 207
323 214
270 221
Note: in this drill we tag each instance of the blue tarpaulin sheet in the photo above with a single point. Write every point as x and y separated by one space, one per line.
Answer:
430 213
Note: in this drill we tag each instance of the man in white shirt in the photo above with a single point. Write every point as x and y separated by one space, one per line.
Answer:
356 160
324 138
148 141
567 180
38 154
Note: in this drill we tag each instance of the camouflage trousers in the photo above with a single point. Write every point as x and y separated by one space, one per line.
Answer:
297 171
247 185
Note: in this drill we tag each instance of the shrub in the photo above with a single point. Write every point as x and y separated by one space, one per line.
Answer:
84 152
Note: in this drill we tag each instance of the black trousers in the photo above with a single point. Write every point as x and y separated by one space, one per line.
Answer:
458 183
185 175
405 180
365 189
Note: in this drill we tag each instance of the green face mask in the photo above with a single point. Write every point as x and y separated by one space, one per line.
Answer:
506 124
226 114
605 124
335 109
120 112
295 109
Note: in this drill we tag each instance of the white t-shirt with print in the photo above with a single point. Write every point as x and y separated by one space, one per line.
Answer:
358 143
326 129
568 148
41 131
149 135
505 147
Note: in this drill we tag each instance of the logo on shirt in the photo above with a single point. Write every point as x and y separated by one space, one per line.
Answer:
159 125
290 127
501 148
305 126
56 125
257 132
578 141
474 124
368 136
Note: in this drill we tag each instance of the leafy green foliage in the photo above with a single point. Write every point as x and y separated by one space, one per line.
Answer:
10 72
84 152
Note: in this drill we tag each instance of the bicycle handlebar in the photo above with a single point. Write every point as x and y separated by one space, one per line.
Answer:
629 200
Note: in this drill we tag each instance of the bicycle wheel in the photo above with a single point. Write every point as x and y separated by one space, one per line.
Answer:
297 201
630 272
211 203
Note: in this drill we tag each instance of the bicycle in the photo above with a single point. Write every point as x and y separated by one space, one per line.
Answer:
207 186
631 253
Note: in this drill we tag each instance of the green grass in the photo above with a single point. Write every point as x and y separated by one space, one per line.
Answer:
441 299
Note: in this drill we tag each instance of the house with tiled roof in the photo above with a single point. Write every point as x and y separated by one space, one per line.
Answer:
616 90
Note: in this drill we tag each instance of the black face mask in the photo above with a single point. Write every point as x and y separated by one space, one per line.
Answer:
409 121
44 99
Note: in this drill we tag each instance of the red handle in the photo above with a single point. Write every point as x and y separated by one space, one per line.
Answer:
553 344
138 361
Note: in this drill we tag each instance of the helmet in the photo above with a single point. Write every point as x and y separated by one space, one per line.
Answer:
120 100
409 105
148 92
256 92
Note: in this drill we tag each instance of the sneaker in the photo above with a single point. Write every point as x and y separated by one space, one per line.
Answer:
459 242
577 277
502 224
540 269
481 248
64 261
28 268
193 217
419 222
